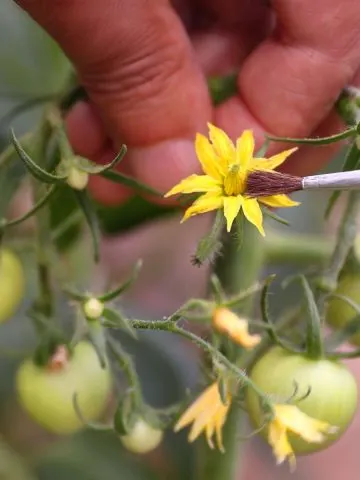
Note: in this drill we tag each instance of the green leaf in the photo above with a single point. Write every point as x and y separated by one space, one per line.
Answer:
352 162
91 219
115 319
32 211
24 106
350 132
106 297
130 182
93 169
33 168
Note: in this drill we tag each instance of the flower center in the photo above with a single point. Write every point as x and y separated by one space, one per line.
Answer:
234 182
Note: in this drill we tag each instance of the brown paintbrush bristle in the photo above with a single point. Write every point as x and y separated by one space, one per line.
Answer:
261 183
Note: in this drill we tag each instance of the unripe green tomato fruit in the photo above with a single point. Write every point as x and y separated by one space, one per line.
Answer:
333 395
12 284
142 437
340 313
48 395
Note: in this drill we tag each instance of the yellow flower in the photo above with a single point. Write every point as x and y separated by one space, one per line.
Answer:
208 413
290 418
225 321
226 167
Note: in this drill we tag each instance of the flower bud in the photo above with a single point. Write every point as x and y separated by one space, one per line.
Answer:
77 179
142 437
226 322
93 308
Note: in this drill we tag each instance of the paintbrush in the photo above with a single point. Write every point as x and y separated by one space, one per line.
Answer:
261 183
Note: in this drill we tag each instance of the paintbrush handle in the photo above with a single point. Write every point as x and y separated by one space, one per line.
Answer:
334 181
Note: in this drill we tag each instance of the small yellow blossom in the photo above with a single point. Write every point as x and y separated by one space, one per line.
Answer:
290 418
225 321
208 413
226 167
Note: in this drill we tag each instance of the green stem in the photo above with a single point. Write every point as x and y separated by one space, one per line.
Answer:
345 240
297 249
237 269
45 301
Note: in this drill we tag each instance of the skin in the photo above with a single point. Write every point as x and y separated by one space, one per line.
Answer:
143 65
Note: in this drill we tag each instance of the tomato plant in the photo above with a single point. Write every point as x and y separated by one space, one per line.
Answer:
331 388
47 394
340 313
12 284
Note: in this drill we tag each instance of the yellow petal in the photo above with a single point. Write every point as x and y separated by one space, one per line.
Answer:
209 432
278 201
280 444
253 213
206 203
232 206
211 163
195 183
222 144
272 162
245 149
206 398
309 429
200 424
225 321
219 423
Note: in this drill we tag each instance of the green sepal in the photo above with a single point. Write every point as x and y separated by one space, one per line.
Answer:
274 216
125 414
106 297
130 182
50 340
33 210
91 425
263 149
34 169
74 294
90 167
210 245
115 319
352 162
88 210
313 343
265 312
350 132
98 340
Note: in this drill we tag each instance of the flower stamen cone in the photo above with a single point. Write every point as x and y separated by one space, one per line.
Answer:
228 323
207 414
289 418
226 167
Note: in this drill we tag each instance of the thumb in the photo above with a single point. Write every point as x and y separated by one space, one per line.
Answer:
136 62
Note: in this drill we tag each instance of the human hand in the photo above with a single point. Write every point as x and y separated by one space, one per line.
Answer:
144 64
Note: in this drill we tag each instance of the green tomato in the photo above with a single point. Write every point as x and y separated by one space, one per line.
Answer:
340 313
333 395
47 395
142 437
12 284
